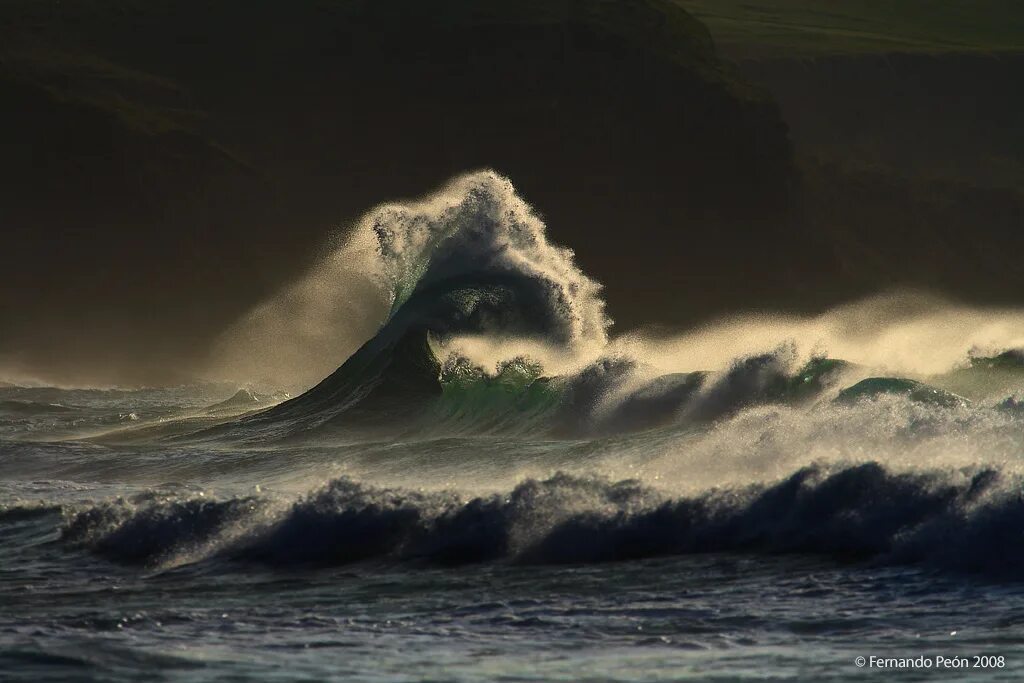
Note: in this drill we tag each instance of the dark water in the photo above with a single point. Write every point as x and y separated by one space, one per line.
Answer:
443 507
120 563
71 616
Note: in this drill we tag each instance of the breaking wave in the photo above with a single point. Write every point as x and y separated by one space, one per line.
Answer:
487 327
964 520
492 366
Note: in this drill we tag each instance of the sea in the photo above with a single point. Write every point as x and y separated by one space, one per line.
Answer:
495 486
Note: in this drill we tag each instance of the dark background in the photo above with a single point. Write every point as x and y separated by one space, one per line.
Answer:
166 166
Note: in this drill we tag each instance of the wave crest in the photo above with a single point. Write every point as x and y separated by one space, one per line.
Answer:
475 238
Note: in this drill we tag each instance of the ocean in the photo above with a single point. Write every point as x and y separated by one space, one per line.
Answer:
495 487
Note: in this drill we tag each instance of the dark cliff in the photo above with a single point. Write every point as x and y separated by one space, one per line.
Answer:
185 158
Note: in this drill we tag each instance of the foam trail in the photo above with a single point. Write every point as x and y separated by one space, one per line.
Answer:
901 332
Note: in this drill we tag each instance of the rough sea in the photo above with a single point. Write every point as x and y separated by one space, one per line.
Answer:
494 487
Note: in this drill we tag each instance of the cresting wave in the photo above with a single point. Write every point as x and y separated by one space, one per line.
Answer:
490 328
966 520
472 258
471 261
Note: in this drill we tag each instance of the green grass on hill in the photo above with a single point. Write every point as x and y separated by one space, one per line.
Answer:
808 28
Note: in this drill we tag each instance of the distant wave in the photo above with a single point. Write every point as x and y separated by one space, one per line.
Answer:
32 408
961 520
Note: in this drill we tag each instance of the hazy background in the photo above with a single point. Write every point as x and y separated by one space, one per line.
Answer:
169 166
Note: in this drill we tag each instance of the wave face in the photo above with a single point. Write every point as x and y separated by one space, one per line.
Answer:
473 260
968 520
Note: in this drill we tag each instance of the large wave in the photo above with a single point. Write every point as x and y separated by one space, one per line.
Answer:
471 260
487 326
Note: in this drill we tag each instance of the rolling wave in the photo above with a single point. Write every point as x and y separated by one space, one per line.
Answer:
963 520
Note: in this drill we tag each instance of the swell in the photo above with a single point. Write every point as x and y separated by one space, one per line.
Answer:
32 408
965 520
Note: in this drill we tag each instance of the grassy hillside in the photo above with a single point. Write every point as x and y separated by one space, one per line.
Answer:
906 118
766 28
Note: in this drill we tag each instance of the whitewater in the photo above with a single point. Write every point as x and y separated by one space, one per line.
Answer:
433 458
